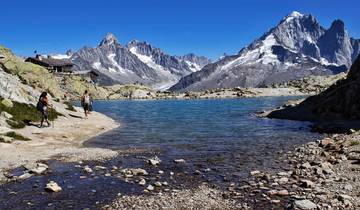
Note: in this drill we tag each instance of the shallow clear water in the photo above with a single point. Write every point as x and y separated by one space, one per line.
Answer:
220 138
222 134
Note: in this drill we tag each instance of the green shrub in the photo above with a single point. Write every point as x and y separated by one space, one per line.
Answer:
17 136
15 124
69 106
354 143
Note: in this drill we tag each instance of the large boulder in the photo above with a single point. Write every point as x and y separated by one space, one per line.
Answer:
341 101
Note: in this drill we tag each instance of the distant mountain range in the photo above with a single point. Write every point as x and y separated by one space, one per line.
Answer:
297 47
136 62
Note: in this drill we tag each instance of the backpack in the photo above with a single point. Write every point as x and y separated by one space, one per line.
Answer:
39 105
86 99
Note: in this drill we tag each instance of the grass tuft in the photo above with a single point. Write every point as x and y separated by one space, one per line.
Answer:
15 124
69 106
17 136
354 143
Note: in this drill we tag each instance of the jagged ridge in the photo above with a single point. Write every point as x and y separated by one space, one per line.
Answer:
297 47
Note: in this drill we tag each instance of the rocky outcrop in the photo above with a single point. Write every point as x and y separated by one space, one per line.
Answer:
29 74
339 102
297 47
312 84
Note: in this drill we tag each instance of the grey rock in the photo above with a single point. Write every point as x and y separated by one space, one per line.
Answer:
348 187
6 115
154 161
52 187
344 197
179 161
97 168
305 204
255 173
150 187
25 176
158 184
41 168
7 102
4 130
307 183
6 139
138 171
306 165
142 182
87 169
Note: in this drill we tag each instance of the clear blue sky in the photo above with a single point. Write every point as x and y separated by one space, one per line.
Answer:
205 27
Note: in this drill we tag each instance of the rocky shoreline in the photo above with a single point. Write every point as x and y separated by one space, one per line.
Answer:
317 175
63 139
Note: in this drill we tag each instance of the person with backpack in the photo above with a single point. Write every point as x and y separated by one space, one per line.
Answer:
91 103
42 106
85 103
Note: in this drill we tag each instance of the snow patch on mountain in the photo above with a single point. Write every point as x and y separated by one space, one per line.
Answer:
297 47
293 15
59 56
115 64
148 60
97 65
194 67
261 54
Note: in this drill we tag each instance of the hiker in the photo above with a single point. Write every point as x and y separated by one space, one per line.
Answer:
42 106
85 103
91 103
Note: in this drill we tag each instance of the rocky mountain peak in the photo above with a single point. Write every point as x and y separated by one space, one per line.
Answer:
109 40
295 48
69 52
137 43
338 26
295 14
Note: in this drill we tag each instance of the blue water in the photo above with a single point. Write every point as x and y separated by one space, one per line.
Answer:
224 134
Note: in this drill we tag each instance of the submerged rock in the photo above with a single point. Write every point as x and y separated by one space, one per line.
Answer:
25 176
142 182
39 169
154 161
53 187
150 187
179 161
157 184
255 173
98 168
87 169
138 171
36 168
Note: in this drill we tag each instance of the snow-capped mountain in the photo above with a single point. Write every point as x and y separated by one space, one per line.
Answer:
297 47
135 62
67 55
